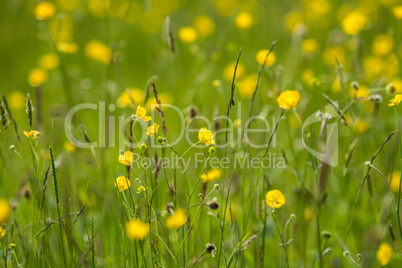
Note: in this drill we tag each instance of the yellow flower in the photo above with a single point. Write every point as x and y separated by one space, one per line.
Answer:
260 57
127 158
211 175
288 99
177 220
382 44
331 53
16 100
136 95
395 86
204 25
123 183
152 130
136 229
2 232
49 61
229 70
396 100
275 199
247 85
362 92
206 136
354 22
143 146
244 20
310 45
68 5
69 48
37 77
32 134
396 176
361 126
98 51
5 210
141 114
384 254
44 10
397 12
293 21
188 35
234 212
141 189
69 147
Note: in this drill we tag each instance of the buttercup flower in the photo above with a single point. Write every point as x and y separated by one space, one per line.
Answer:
384 254
32 134
152 130
354 22
206 136
136 229
141 189
98 51
288 99
244 20
211 175
188 35
127 158
123 183
396 100
37 77
141 114
397 12
44 10
2 232
178 219
5 211
275 199
49 61
68 48
260 57
204 25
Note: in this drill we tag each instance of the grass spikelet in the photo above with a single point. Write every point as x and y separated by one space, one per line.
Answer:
169 35
5 103
159 108
29 110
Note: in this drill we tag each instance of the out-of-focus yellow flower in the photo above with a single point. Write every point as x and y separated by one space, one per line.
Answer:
69 147
234 211
391 66
61 28
211 175
225 7
177 220
229 70
67 5
294 20
164 97
354 22
123 183
247 85
397 12
395 177
237 122
37 77
382 45
98 51
16 100
49 61
362 92
2 232
331 53
141 189
275 199
260 57
206 136
32 134
5 210
395 86
244 20
310 45
288 99
307 75
68 48
396 100
204 25
127 158
317 8
188 35
141 114
307 214
45 10
152 130
361 126
98 8
136 95
136 229
384 254
373 66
